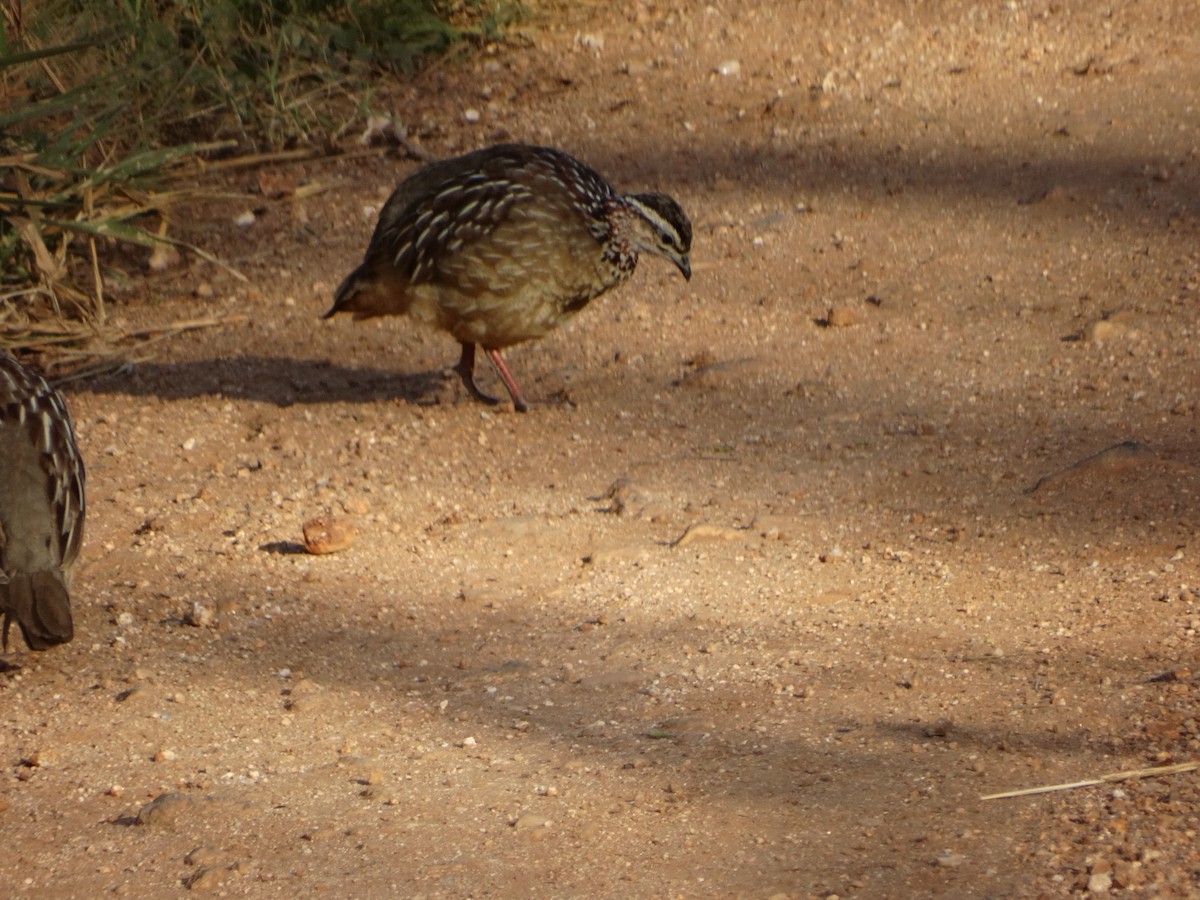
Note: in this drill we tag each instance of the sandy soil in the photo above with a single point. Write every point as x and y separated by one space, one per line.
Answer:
787 567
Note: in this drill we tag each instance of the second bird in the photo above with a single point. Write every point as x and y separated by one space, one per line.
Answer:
503 245
41 508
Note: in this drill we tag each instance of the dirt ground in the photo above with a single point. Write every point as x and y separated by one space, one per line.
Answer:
894 505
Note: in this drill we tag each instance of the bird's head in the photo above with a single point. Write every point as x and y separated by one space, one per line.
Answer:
661 227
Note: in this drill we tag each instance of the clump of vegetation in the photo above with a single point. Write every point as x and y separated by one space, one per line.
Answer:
101 101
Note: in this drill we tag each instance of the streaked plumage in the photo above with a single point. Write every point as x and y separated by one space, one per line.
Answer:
504 244
41 507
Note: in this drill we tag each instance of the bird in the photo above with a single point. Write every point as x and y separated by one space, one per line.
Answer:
504 244
42 483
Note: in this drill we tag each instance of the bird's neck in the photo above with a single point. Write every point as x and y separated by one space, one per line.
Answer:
619 249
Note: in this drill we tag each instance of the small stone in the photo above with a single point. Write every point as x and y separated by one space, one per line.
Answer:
949 860
842 317
43 758
164 755
245 219
164 809
729 68
1103 330
1114 324
203 291
325 534
1099 883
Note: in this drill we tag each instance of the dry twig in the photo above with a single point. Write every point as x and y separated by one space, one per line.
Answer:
1103 779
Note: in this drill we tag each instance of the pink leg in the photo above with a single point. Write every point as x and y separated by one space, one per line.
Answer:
509 382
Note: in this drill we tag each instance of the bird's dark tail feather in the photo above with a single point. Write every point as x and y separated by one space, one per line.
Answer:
40 605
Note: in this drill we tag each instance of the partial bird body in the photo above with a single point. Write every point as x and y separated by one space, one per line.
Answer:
503 245
41 507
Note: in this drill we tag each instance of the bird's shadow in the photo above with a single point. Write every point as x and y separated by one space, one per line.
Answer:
282 381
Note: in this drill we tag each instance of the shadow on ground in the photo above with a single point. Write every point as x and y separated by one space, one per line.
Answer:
282 381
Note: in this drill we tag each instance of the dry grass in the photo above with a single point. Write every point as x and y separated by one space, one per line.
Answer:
108 104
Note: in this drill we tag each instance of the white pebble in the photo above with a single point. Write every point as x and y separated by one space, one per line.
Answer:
1099 883
729 67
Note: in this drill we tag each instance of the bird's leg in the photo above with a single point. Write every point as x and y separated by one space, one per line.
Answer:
466 371
509 382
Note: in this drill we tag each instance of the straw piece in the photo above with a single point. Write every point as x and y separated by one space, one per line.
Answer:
1103 779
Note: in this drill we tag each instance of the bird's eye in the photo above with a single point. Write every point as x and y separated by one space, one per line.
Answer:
667 239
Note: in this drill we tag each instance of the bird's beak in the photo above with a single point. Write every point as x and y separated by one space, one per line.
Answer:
685 266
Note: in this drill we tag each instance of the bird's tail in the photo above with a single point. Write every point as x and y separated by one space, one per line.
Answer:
40 605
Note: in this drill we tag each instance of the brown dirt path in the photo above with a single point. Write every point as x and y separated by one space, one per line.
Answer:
939 256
